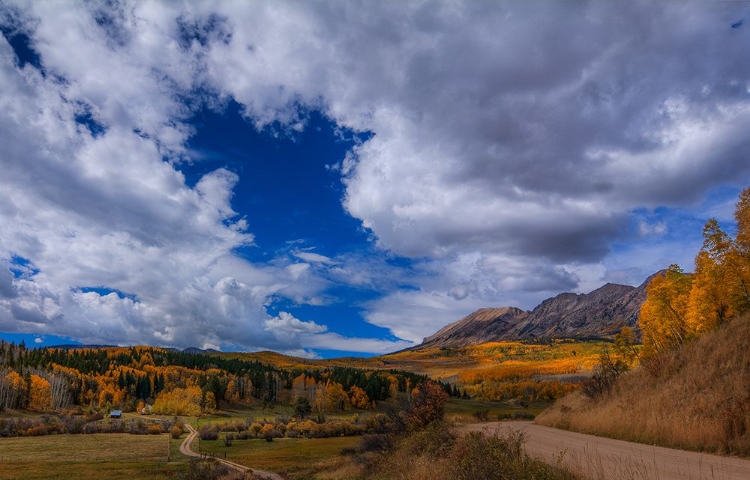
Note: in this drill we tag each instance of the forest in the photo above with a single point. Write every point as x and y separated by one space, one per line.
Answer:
154 380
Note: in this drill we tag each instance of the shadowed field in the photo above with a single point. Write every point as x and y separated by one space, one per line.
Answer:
294 457
89 457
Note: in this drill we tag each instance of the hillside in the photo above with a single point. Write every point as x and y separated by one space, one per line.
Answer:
695 397
599 314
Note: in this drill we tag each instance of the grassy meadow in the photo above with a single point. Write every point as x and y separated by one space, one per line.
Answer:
297 458
90 457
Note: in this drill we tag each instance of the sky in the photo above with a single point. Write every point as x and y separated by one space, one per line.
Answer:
345 178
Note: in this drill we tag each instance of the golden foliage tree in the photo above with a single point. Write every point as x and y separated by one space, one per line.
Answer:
40 394
179 401
209 403
663 317
358 398
336 398
625 345
680 306
12 388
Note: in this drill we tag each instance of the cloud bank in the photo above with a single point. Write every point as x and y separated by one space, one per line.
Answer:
517 150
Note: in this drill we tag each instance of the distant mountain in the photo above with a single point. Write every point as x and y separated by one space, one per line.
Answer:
199 351
75 346
599 314
191 350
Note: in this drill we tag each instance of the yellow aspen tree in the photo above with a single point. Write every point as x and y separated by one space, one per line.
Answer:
742 216
625 345
210 403
723 269
709 305
663 315
742 249
179 401
299 387
15 386
40 394
231 395
336 397
358 398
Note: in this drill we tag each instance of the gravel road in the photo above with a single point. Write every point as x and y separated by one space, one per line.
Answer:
604 458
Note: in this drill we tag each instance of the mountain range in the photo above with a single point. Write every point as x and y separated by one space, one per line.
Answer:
599 314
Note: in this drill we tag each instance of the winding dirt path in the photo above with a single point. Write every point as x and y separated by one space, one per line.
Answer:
185 450
602 458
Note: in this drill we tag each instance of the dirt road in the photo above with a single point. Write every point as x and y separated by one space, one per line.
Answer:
185 450
603 458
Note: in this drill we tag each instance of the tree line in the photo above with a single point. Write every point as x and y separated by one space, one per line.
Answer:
136 378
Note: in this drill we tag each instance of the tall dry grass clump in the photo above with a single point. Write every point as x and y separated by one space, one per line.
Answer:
439 453
695 397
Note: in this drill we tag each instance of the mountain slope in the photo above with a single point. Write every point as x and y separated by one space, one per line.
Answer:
474 329
601 313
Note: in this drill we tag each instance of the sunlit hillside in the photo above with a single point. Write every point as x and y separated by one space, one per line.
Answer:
491 371
692 389
697 397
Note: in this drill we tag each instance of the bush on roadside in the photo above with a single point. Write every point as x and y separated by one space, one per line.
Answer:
439 453
210 469
482 415
209 432
497 456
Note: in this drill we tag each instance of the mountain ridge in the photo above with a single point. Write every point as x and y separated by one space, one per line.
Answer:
600 313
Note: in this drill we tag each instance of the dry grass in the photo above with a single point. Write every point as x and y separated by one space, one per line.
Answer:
438 453
696 398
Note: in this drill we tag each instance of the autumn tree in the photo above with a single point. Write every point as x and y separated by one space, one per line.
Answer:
719 279
12 389
336 398
681 306
40 394
663 317
231 395
742 249
426 405
209 402
625 345
722 272
358 398
179 401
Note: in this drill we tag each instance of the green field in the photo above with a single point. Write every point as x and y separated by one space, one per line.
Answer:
90 457
295 457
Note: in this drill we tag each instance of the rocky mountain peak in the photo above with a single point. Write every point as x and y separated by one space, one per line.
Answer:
598 314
